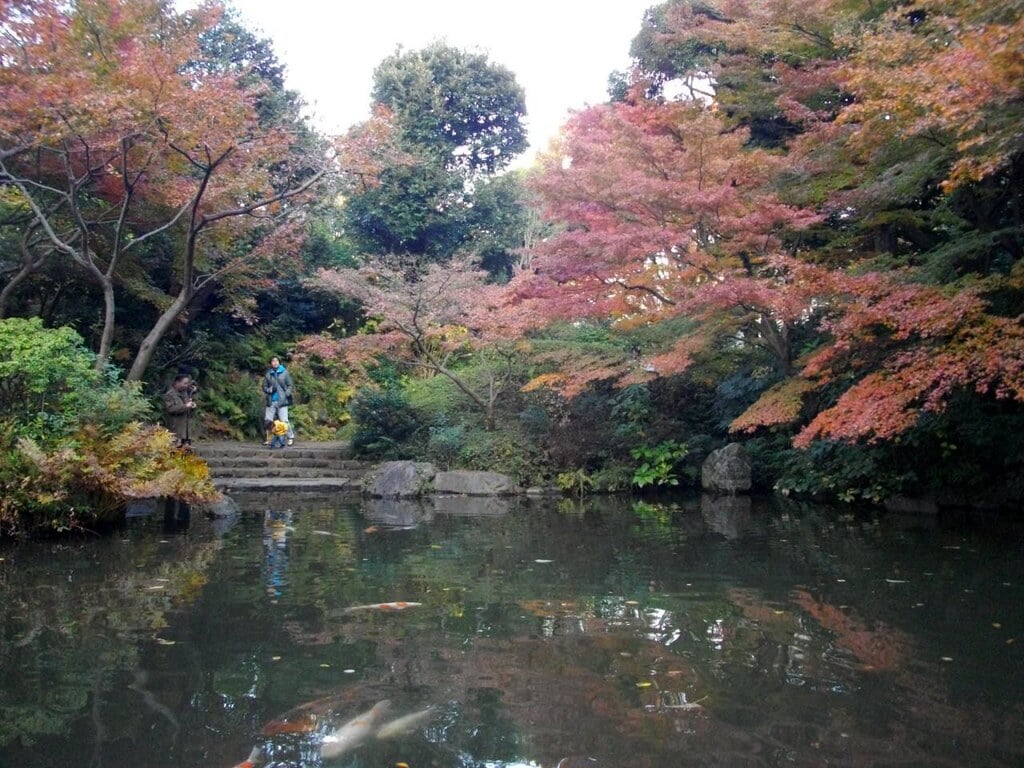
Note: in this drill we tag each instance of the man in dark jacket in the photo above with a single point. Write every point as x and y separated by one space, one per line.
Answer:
278 390
178 407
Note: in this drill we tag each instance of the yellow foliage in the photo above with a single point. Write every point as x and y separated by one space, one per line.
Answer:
544 381
780 404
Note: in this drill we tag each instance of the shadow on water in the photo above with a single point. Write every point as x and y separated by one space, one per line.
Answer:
701 631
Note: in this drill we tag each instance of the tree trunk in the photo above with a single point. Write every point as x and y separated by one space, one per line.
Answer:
14 282
145 354
776 340
107 336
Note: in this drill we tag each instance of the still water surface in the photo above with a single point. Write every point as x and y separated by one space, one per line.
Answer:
696 633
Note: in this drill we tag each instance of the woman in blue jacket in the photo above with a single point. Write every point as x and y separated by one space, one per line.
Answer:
278 390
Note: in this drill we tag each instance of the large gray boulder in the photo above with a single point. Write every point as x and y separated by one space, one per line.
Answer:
399 480
726 470
464 482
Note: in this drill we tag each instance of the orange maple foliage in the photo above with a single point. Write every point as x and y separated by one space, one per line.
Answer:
951 69
668 210
666 213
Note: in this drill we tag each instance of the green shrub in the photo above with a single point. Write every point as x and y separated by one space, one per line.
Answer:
842 471
384 419
613 478
48 379
445 443
577 483
504 451
658 463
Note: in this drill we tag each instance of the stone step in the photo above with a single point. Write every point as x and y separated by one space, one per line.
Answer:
287 471
252 468
277 460
220 449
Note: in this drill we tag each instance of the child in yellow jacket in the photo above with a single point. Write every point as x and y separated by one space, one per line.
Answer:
277 431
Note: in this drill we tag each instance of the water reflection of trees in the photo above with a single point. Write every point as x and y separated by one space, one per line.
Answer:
757 636
73 617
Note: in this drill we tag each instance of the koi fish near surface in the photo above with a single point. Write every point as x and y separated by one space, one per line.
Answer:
306 717
354 732
250 761
398 605
401 726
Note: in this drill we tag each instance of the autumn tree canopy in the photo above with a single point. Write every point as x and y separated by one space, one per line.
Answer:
848 172
116 138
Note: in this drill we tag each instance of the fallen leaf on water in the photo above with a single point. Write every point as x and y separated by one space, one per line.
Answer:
161 641
401 765
371 529
644 684
997 625
325 666
397 605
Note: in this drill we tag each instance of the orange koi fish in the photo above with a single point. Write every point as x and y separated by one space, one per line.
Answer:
250 761
306 717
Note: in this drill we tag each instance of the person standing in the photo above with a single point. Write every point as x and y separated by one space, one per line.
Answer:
278 390
178 407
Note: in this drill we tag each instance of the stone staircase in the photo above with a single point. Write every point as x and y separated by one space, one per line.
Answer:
303 467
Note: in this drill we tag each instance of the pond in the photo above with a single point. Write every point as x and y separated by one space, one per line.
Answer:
605 633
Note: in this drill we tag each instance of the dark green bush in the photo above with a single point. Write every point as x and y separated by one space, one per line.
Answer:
384 419
445 444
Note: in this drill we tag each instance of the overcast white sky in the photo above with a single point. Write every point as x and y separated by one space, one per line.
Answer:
561 51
